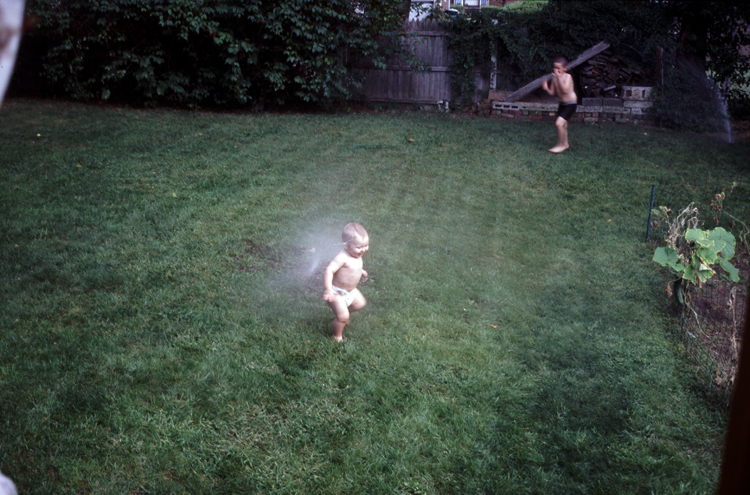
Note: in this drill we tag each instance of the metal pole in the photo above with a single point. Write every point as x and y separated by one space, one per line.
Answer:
651 208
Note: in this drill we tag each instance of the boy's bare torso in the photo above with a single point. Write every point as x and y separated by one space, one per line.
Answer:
562 85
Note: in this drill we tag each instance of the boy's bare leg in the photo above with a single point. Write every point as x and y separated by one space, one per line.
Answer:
562 136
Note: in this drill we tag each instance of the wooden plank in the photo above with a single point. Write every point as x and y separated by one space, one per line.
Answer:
536 83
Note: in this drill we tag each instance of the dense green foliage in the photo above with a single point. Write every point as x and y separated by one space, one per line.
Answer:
524 40
209 52
665 34
163 329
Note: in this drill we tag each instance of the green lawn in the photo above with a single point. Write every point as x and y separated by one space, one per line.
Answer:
163 329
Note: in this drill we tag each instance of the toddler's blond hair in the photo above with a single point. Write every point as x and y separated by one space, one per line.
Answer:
353 231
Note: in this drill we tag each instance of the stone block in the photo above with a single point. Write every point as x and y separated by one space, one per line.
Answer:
638 104
639 111
591 102
615 110
501 105
636 92
590 109
611 102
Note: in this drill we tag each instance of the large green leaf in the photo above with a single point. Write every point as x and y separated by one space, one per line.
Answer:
717 240
726 240
668 257
707 255
732 272
698 236
702 271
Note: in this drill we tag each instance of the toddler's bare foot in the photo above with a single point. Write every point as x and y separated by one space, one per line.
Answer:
338 338
558 149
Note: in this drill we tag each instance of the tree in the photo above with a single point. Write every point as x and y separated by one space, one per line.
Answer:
711 34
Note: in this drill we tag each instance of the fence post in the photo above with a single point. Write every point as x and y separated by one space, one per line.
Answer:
650 209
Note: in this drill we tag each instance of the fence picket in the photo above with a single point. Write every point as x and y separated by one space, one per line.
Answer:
399 83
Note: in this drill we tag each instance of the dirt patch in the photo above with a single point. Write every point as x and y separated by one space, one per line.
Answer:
257 257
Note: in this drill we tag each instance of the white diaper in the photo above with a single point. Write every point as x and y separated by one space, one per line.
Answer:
348 296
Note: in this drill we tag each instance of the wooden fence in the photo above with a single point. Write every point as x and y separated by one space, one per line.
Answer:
399 83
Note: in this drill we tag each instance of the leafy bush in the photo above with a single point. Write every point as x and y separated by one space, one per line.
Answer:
197 52
526 5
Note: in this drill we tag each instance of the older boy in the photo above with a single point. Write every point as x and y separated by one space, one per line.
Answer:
342 276
562 86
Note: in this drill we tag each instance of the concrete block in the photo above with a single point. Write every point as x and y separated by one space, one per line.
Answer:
615 110
590 109
638 104
636 92
611 102
591 102
543 107
639 111
499 105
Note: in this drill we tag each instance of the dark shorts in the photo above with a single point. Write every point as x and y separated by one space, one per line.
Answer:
566 110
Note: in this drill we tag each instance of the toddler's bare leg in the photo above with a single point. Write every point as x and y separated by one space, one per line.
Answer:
338 330
342 317
562 136
358 302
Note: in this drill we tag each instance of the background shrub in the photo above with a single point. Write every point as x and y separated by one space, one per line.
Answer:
208 52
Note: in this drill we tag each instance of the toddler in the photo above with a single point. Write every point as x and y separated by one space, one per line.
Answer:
342 276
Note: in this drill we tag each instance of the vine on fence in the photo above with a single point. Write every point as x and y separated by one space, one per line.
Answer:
523 42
